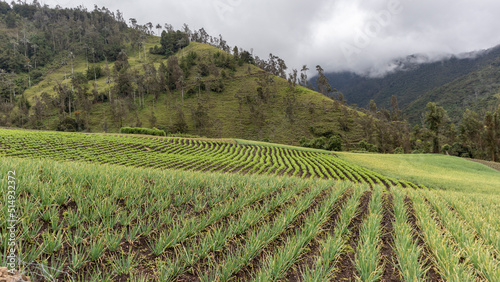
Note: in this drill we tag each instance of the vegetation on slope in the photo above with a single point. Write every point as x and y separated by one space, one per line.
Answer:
200 89
192 83
450 106
478 91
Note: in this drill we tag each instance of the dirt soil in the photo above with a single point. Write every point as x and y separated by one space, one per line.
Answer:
346 265
391 272
12 276
432 274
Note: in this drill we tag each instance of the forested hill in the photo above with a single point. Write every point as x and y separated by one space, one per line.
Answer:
456 83
79 70
34 37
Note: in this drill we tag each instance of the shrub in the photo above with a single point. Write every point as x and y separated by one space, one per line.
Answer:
184 135
70 125
141 130
333 143
446 148
368 147
399 150
217 86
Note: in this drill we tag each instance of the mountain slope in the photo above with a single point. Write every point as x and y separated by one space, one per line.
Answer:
214 93
419 81
281 114
478 91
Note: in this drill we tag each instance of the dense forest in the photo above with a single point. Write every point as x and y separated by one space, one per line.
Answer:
135 76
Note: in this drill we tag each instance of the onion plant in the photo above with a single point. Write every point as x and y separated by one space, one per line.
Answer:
368 258
333 246
407 250
447 258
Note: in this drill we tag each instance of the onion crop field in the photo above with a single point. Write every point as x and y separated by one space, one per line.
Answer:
94 222
187 154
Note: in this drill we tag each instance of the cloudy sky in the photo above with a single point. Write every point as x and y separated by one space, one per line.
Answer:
355 35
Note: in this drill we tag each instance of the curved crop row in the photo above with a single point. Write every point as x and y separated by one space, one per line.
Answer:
184 154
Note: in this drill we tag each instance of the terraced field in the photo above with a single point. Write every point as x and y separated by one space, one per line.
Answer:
92 222
186 154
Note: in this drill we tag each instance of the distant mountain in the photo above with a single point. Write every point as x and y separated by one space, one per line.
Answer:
456 82
478 91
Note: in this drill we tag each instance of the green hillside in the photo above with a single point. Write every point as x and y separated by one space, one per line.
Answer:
235 112
224 194
207 91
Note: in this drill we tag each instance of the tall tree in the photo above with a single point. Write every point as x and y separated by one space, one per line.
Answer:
174 72
303 76
396 113
158 27
470 130
373 106
435 118
186 30
323 86
492 133
133 21
121 62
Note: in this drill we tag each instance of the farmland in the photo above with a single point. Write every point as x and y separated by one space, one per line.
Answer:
94 222
187 154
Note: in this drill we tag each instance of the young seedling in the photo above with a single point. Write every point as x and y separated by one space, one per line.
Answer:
113 239
124 264
78 258
169 270
97 248
75 238
28 253
54 270
52 242
368 258
407 250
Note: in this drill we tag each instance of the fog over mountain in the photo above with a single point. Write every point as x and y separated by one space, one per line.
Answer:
340 35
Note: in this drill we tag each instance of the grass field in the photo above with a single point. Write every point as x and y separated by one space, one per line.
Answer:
436 171
90 222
